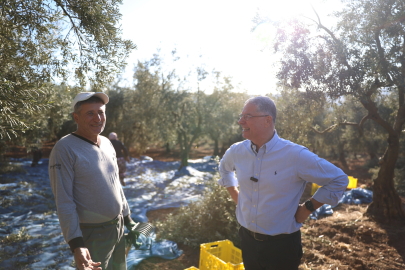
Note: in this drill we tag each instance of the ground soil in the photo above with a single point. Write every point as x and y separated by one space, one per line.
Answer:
346 240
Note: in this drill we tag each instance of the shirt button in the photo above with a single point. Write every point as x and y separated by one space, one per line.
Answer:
255 189
256 174
254 205
253 221
258 159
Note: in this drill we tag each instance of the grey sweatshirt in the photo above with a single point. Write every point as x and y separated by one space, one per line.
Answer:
85 182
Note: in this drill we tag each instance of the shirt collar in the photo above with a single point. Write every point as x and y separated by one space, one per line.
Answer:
267 146
253 147
84 139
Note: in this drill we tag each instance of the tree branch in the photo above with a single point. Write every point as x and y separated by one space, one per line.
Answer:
74 27
361 124
400 121
331 128
374 115
335 39
401 87
381 55
374 87
326 130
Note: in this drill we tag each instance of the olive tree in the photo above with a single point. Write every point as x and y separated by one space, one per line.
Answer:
363 57
44 40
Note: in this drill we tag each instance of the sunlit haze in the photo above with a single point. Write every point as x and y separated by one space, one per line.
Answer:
213 34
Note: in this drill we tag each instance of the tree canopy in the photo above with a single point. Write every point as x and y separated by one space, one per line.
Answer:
42 41
163 108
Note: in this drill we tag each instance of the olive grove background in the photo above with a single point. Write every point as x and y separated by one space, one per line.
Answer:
340 92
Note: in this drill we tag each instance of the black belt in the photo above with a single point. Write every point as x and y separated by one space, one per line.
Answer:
266 237
103 224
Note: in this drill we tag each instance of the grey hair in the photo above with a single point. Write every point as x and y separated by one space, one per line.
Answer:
92 99
113 136
265 105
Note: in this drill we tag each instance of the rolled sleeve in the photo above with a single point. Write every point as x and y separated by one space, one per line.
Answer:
227 171
333 180
328 194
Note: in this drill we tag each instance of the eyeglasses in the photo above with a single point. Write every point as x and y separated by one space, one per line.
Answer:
246 117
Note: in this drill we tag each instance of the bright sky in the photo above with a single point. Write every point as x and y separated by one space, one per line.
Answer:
219 30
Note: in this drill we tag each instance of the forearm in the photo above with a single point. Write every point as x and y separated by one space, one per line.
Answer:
303 213
315 203
75 243
69 223
234 192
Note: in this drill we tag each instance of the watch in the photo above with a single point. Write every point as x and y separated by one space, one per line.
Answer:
309 206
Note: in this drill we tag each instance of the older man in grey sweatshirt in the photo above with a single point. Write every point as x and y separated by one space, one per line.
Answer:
91 204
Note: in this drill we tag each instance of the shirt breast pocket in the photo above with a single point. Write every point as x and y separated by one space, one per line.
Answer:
280 181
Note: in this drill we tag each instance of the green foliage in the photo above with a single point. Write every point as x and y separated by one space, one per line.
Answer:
46 122
43 40
297 112
159 110
17 106
362 57
221 114
137 115
211 218
339 63
49 121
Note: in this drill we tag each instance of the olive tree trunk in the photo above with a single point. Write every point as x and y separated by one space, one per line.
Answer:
386 202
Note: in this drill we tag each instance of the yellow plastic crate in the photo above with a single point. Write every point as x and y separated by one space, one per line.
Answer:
352 182
314 188
191 268
220 255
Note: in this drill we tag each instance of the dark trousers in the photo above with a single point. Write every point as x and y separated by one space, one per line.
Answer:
106 244
278 254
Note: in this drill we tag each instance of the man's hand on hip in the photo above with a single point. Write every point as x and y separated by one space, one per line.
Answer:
302 213
83 260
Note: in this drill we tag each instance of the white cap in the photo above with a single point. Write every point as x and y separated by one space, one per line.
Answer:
86 95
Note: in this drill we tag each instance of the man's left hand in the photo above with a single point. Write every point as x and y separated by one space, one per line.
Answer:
133 234
84 261
302 213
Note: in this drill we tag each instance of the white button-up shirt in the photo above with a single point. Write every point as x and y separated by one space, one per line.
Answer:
283 169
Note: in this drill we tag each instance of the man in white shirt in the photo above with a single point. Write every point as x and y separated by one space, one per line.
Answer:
272 174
